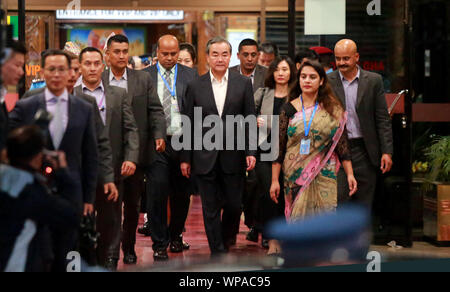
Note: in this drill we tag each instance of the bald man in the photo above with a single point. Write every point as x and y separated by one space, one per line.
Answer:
165 178
369 125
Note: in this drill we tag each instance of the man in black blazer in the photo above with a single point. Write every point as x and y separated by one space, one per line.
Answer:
220 94
116 114
149 115
71 131
369 125
165 178
106 172
248 55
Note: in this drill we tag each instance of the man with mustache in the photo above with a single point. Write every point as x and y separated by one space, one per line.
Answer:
369 126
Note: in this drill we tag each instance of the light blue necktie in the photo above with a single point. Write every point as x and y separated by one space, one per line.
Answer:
58 128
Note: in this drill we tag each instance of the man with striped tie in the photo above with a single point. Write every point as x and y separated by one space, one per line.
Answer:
165 177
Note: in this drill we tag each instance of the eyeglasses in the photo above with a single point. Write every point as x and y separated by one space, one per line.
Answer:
53 70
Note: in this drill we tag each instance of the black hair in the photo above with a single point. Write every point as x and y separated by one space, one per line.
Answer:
18 47
308 54
23 144
325 96
89 49
190 49
118 38
269 48
53 52
270 79
248 42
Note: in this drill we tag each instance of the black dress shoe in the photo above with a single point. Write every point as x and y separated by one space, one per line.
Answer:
252 235
176 246
186 245
265 244
111 265
145 229
130 258
160 255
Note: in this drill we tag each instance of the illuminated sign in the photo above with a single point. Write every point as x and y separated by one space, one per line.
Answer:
120 14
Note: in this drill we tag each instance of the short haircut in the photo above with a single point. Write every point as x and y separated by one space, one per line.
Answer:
270 80
53 52
23 144
190 49
248 42
18 47
269 48
217 40
90 49
118 38
309 54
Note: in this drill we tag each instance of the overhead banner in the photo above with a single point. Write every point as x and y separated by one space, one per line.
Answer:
325 17
120 14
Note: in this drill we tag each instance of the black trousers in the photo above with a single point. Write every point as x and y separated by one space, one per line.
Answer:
166 181
269 210
365 174
109 217
220 191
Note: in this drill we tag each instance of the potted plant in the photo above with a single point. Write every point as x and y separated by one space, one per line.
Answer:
437 203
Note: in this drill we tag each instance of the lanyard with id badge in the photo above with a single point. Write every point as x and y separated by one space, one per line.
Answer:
305 146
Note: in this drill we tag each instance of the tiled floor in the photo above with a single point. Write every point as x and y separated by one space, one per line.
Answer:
195 235
199 251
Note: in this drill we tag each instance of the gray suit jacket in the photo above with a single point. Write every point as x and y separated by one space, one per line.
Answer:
106 172
372 112
148 112
260 76
120 127
264 100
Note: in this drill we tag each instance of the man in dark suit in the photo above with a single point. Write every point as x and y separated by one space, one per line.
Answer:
116 114
106 172
12 72
149 115
248 55
165 178
71 130
369 125
220 94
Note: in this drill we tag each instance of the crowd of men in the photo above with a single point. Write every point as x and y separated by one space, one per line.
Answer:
108 145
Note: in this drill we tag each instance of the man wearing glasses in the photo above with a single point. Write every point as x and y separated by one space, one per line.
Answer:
71 130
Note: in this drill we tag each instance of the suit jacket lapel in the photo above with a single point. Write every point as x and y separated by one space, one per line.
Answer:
43 106
258 78
210 92
108 100
340 88
132 82
70 118
362 83
228 95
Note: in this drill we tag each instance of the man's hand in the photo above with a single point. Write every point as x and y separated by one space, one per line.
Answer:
128 168
185 169
251 162
275 191
352 184
160 145
88 209
386 163
110 188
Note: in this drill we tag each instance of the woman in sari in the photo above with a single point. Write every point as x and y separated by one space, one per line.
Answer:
313 141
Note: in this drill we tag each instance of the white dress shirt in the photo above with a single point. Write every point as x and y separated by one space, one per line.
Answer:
220 91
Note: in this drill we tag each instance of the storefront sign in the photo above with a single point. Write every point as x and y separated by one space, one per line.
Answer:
120 14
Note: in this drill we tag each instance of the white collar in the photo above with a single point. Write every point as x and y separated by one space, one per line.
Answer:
214 79
124 76
83 86
49 95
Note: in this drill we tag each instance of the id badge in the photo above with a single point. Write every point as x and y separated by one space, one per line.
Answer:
305 146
